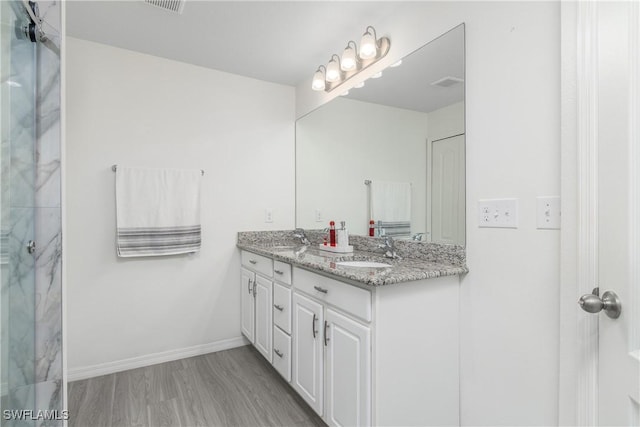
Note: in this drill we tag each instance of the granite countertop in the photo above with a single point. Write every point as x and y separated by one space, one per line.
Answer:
312 258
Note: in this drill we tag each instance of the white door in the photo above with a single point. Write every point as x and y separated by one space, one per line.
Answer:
599 366
307 366
348 371
618 219
447 191
247 302
264 310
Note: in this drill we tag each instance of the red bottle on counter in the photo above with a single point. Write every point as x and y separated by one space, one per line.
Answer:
372 228
332 233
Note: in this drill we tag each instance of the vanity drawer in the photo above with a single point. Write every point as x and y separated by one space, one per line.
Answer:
351 299
282 307
258 263
282 353
282 272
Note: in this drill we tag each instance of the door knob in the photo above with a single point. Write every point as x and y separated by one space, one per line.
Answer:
610 303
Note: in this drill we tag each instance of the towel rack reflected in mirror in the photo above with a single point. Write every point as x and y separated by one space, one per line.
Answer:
115 167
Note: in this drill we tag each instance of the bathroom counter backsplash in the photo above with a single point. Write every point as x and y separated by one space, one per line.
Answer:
418 260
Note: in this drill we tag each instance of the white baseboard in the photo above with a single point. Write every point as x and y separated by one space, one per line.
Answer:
91 371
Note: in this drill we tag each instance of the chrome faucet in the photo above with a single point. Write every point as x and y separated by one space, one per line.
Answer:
389 248
418 237
299 233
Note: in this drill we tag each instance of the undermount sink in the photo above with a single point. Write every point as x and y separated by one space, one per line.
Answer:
364 264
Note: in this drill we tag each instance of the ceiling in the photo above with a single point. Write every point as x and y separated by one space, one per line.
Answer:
276 41
410 85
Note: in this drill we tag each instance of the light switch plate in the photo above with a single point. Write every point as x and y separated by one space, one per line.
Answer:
498 213
548 213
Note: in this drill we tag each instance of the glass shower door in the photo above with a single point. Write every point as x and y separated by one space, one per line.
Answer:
17 194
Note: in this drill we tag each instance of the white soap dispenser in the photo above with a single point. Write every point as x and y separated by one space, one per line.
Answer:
343 236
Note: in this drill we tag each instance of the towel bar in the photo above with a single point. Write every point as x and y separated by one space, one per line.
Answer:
115 167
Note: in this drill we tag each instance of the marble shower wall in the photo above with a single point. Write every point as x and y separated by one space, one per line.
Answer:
48 221
35 314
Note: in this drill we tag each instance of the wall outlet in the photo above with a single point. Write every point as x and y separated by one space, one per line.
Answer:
548 213
268 215
318 215
498 213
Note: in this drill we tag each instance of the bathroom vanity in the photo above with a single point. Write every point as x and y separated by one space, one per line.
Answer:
363 345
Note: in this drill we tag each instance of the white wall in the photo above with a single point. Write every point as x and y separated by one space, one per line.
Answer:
446 121
509 323
341 144
131 109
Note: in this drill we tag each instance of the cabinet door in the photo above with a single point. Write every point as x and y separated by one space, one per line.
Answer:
248 304
307 367
264 310
348 364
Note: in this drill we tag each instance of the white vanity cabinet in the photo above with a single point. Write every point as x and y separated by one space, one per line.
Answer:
263 298
248 304
359 356
331 351
257 297
383 356
282 319
266 309
348 371
308 351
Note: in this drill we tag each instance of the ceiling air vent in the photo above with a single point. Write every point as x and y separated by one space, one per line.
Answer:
447 81
171 5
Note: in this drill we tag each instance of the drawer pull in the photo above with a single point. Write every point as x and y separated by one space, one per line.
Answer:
313 326
326 335
253 261
278 271
319 289
278 307
275 350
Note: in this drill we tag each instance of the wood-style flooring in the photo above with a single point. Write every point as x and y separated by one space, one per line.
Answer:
229 388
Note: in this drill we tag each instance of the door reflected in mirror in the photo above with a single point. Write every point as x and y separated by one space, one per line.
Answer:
392 151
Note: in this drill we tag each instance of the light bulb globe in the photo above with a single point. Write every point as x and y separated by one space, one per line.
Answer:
333 71
368 46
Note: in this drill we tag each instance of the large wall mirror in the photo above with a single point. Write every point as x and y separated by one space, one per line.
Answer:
391 151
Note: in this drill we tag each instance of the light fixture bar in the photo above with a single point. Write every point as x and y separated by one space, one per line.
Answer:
384 44
341 69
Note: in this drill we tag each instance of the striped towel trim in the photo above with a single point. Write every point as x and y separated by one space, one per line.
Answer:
152 241
394 228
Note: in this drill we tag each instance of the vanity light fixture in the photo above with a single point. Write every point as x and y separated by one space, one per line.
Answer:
349 57
319 80
369 44
334 73
340 69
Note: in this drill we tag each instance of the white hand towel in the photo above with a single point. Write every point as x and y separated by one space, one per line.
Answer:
157 211
390 201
